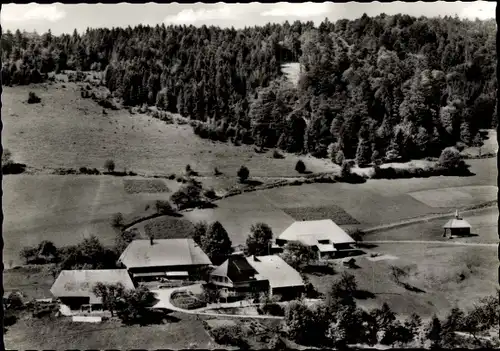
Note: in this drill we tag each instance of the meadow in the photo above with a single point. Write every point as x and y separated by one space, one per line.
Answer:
374 203
65 209
66 130
442 276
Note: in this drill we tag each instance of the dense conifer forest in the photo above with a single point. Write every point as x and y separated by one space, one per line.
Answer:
381 88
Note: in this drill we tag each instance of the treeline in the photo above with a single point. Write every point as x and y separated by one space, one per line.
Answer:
381 88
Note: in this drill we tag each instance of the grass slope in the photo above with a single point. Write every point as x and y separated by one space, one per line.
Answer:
66 130
435 270
64 209
182 332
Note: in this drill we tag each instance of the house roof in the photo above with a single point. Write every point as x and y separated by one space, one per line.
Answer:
310 232
456 223
79 283
236 268
276 271
163 253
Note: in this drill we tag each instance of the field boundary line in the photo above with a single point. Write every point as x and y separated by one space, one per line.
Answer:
425 219
458 243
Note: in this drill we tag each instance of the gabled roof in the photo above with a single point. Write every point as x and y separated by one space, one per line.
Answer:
79 283
163 253
236 268
276 271
456 223
310 232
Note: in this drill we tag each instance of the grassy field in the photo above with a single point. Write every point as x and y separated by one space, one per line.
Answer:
64 209
433 269
373 203
449 197
33 281
484 229
182 332
66 130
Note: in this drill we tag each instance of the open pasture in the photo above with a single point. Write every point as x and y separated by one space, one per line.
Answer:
179 332
484 223
463 196
66 130
133 186
63 209
376 202
442 277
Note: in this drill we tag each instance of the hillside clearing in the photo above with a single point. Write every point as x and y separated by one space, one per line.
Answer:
446 277
66 130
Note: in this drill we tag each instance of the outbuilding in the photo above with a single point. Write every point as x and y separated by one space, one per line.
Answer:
457 226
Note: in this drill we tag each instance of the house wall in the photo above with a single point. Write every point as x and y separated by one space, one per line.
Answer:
288 293
74 303
191 269
460 231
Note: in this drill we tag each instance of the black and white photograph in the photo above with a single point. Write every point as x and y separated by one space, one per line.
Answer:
283 176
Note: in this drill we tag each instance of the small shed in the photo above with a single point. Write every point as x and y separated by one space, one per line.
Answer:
457 226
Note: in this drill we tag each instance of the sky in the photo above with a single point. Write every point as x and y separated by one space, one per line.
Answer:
64 18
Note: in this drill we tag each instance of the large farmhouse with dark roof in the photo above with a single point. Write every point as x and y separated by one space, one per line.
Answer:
74 287
324 236
163 258
240 275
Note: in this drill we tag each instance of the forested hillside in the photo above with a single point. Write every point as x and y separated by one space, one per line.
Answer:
389 87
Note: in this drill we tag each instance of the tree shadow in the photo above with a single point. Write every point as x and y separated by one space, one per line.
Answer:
412 288
470 235
13 168
157 316
363 295
253 182
205 205
319 270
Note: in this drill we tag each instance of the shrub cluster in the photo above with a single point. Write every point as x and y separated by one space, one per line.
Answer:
33 98
90 171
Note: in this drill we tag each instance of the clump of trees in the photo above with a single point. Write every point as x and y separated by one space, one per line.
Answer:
243 174
188 196
213 240
259 241
300 166
9 166
45 252
33 98
131 306
397 87
109 165
298 255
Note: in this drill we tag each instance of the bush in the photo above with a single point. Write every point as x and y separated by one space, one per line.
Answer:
109 165
243 174
171 176
210 194
228 335
33 98
117 221
300 166
163 207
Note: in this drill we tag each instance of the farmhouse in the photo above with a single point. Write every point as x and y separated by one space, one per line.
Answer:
324 236
457 226
163 258
74 288
240 275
